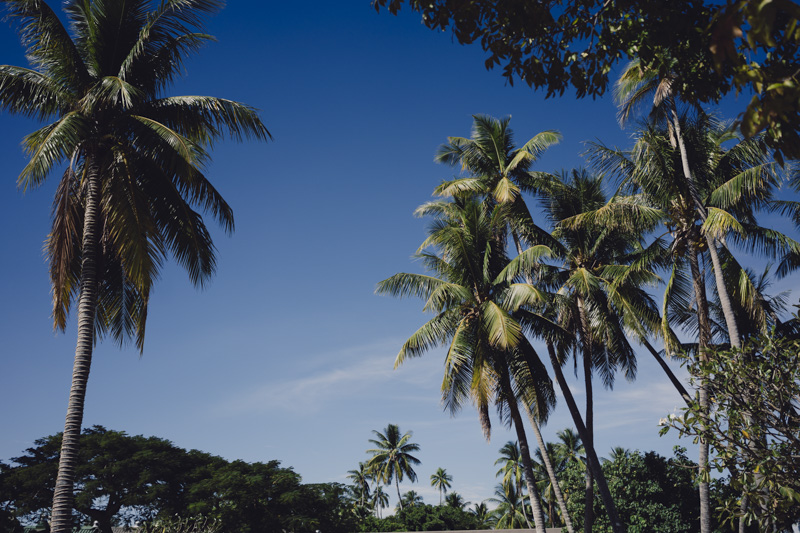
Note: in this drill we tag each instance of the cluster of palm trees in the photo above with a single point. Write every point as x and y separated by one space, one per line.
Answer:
509 295
512 509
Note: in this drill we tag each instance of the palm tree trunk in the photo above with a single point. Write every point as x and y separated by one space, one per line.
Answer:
63 497
548 465
668 371
399 498
588 510
722 290
703 341
591 456
533 493
562 505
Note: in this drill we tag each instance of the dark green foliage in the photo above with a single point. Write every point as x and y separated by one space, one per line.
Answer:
423 517
653 494
122 478
707 47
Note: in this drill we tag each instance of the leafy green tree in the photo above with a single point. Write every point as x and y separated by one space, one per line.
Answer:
653 494
119 477
410 499
391 457
135 162
752 427
487 352
441 481
482 515
575 44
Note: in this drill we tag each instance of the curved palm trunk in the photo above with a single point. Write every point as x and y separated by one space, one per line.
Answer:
548 464
591 456
703 341
562 505
533 493
87 305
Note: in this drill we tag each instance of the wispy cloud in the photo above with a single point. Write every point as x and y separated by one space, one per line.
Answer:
344 374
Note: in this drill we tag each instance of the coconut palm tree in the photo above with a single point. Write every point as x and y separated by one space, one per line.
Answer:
482 515
391 458
600 289
380 500
134 161
456 501
498 172
441 481
729 185
361 478
511 469
487 352
509 510
410 499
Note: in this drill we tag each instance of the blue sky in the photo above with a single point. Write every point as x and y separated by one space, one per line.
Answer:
288 353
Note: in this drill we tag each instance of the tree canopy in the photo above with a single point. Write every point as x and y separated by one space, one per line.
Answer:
709 48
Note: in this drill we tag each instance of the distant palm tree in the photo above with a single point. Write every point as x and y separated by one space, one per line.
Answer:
361 478
456 501
509 511
511 469
410 499
380 500
135 163
482 515
392 457
441 481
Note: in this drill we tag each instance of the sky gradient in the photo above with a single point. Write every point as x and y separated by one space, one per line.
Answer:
288 353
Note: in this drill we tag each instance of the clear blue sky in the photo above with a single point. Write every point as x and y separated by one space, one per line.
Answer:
288 353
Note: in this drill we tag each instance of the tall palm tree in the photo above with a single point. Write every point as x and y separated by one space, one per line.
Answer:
488 359
134 159
729 185
497 171
441 481
391 458
600 289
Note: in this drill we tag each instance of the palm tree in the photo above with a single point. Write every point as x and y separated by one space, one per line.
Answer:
599 291
361 477
134 159
511 469
456 501
380 500
729 184
509 511
498 172
482 515
410 499
441 481
392 459
487 352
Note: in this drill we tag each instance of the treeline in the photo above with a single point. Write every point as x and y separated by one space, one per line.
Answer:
122 479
